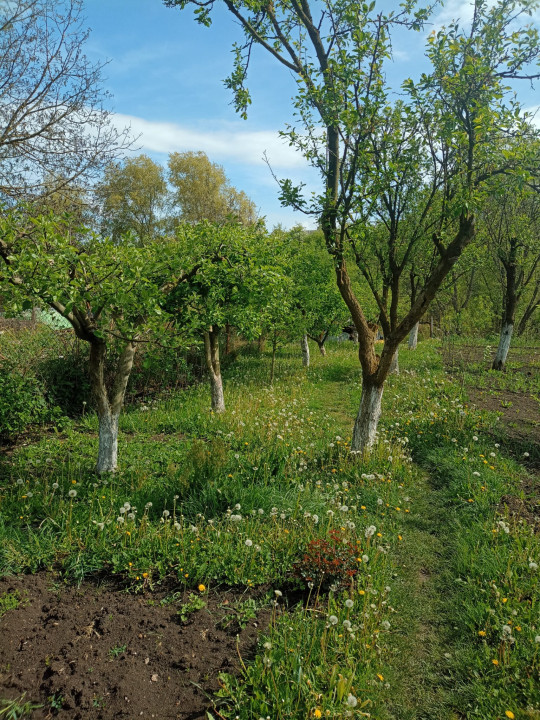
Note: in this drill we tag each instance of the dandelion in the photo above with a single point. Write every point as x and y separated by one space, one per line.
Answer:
379 501
248 543
385 625
201 587
349 603
315 518
55 486
525 455
509 714
131 516
127 506
72 493
235 518
148 506
100 526
537 639
347 624
474 437
533 566
352 701
120 519
278 593
20 481
317 713
344 508
370 531
122 510
365 558
482 633
332 620
166 513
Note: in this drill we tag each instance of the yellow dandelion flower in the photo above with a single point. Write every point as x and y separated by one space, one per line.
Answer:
317 713
509 714
495 662
381 677
201 588
482 633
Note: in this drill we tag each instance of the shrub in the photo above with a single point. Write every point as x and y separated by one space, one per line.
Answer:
22 402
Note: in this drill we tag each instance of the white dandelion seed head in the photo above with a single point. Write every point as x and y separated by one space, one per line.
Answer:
166 513
365 558
349 603
72 493
370 531
351 700
333 620
248 543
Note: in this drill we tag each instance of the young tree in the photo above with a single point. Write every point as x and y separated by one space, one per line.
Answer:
337 51
201 191
229 288
133 196
102 289
52 123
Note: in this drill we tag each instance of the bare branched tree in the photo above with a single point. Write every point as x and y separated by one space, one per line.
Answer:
52 119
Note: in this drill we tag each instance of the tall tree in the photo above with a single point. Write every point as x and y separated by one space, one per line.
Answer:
336 51
133 197
52 121
201 191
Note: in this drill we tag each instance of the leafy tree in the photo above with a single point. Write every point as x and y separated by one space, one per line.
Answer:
133 196
51 117
102 289
336 51
202 192
230 287
511 225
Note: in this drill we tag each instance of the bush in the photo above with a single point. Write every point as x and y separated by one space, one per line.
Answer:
22 402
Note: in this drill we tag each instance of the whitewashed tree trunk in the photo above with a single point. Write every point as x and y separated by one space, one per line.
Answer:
305 350
109 404
218 400
108 443
211 347
365 426
504 345
394 366
413 337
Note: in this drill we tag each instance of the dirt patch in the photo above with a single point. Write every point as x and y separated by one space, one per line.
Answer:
527 509
519 412
99 653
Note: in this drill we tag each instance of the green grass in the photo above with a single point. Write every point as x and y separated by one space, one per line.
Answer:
242 499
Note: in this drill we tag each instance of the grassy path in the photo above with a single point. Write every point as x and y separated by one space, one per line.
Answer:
419 680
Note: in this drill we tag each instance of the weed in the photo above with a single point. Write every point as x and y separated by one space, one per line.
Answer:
114 652
17 709
193 604
11 601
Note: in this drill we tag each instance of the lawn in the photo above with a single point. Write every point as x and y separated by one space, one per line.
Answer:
246 565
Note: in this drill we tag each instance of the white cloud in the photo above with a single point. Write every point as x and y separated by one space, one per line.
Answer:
229 143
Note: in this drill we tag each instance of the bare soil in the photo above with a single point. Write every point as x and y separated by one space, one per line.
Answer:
98 653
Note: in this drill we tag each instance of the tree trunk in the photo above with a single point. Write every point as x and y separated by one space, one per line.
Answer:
109 404
261 342
510 303
413 337
322 347
431 326
365 426
305 350
394 365
108 443
273 364
504 345
211 347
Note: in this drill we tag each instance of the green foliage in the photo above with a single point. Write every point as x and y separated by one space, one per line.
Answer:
17 709
193 604
22 402
10 601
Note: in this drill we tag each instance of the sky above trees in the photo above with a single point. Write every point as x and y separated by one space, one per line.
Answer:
166 74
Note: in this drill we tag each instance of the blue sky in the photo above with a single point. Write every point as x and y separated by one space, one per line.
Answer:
166 72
